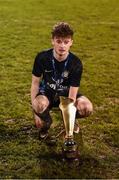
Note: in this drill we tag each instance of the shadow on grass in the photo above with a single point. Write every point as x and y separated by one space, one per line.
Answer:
51 161
47 160
52 166
9 132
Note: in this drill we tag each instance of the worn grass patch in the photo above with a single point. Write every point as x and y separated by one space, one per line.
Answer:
25 30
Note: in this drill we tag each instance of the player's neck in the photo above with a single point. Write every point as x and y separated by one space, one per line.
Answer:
60 57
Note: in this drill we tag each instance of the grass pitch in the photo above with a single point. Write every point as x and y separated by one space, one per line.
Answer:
25 30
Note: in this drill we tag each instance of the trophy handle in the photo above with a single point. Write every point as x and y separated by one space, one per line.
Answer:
68 112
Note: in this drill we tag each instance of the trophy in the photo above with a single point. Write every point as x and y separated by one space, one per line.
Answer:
70 148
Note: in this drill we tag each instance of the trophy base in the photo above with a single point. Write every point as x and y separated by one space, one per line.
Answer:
70 152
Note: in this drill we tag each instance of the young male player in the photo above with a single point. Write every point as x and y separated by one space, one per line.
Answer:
57 72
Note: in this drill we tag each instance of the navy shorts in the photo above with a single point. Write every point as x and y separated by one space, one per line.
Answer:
54 97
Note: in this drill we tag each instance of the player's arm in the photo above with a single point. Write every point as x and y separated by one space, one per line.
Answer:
36 76
75 80
73 92
34 87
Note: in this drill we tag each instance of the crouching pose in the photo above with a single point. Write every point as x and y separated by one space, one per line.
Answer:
57 72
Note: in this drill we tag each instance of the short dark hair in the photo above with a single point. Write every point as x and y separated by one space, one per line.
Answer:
62 29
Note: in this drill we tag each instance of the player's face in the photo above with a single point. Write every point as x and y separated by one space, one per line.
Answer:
62 45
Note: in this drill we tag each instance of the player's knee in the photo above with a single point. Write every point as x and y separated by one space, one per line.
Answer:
90 108
84 106
40 104
35 105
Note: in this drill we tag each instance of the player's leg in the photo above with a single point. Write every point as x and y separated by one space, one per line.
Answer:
84 109
42 117
84 106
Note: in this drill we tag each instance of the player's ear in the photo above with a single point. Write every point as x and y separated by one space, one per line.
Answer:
71 42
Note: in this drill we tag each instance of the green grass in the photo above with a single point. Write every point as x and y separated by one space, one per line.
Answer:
25 30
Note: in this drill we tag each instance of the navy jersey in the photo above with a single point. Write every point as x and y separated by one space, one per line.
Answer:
57 76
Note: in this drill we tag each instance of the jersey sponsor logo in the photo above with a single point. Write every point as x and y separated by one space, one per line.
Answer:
58 81
53 86
48 70
65 74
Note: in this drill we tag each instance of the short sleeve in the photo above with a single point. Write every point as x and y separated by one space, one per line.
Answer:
76 74
37 67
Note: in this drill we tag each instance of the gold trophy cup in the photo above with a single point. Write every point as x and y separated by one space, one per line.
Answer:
68 109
